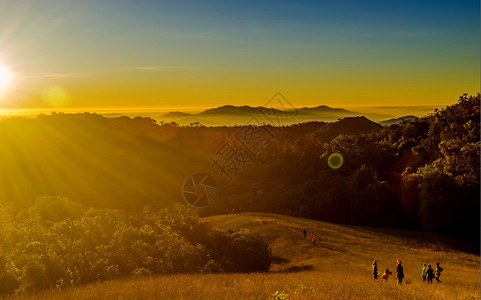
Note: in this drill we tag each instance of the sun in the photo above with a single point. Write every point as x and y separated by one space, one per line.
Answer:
5 78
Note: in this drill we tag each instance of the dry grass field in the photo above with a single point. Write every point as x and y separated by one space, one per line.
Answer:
338 267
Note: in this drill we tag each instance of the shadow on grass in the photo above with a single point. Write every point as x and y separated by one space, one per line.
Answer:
279 260
433 241
296 269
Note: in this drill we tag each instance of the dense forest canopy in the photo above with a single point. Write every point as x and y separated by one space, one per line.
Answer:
419 174
58 243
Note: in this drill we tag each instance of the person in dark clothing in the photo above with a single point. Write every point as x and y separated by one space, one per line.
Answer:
399 272
304 232
438 272
374 269
430 273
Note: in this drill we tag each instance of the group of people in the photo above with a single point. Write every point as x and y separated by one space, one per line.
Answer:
387 272
428 273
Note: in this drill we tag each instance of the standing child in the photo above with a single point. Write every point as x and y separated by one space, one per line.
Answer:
430 273
374 269
313 238
438 272
386 274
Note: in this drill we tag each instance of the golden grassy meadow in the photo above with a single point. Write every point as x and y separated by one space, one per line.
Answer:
339 267
304 285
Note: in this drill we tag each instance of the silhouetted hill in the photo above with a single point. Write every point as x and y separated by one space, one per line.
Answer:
235 110
348 126
176 114
245 109
324 109
397 120
354 125
233 115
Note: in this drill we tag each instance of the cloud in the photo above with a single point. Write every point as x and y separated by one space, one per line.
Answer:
60 75
53 75
153 68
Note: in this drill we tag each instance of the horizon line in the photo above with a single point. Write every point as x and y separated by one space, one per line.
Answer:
191 108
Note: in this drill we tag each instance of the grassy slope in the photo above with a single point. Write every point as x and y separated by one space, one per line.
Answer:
337 268
348 248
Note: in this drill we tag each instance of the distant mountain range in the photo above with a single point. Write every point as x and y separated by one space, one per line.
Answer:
238 115
397 120
249 110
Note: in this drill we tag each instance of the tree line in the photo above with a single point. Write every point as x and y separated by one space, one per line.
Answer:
57 243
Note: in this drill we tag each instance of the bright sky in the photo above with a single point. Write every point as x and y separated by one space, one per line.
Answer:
155 53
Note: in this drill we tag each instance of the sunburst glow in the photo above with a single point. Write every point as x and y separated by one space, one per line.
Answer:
5 78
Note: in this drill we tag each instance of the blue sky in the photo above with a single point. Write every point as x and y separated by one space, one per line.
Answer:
204 53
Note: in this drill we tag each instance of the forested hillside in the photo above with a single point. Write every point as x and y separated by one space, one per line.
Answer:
419 174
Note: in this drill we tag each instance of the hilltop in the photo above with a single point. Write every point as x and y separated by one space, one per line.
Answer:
398 120
339 267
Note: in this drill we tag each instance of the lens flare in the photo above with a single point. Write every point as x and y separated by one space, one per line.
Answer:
55 96
335 161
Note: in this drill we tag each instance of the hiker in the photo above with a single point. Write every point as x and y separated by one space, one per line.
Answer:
386 274
313 238
374 269
399 271
430 273
438 272
424 269
304 232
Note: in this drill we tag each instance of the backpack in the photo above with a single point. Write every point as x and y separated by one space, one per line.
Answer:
440 269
